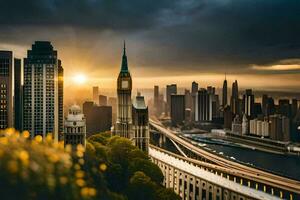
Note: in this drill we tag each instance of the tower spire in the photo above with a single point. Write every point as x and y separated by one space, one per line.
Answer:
124 66
124 48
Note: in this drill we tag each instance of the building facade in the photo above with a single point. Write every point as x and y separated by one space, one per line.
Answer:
6 89
203 110
140 121
98 118
42 105
75 127
96 94
171 89
177 109
123 126
224 93
18 95
248 103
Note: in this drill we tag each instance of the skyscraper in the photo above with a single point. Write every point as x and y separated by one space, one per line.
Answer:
203 106
177 109
194 87
123 126
102 100
194 93
157 108
6 89
140 121
75 127
18 103
96 94
98 118
60 100
42 98
248 103
171 89
224 94
235 101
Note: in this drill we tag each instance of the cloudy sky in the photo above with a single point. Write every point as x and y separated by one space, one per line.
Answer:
254 41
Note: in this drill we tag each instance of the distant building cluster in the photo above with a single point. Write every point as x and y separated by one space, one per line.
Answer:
241 115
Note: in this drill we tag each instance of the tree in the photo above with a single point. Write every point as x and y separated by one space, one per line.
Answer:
147 167
141 187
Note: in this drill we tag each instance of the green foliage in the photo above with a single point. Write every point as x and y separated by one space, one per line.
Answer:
109 168
147 167
141 187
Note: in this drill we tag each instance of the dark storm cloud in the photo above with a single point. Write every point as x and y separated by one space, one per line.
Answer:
194 35
94 14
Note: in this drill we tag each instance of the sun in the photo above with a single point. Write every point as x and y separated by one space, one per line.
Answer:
79 79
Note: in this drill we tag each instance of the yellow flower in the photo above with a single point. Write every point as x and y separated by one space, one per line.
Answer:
24 157
25 134
79 154
80 148
68 148
92 192
4 140
49 137
80 182
102 167
38 138
79 174
84 191
10 131
53 157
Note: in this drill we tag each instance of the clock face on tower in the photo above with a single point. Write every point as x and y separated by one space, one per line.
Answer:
125 84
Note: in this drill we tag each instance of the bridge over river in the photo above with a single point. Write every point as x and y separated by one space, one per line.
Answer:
195 173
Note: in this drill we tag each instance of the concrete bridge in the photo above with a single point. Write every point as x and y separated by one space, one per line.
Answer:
199 174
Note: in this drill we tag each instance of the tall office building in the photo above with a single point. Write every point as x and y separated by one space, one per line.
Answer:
42 106
235 101
224 93
171 89
96 94
123 126
75 127
284 107
6 89
248 103
140 121
188 98
194 87
157 103
102 100
227 117
280 128
18 103
98 118
60 100
177 109
194 92
203 110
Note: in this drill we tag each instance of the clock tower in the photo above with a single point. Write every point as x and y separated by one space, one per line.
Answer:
123 126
